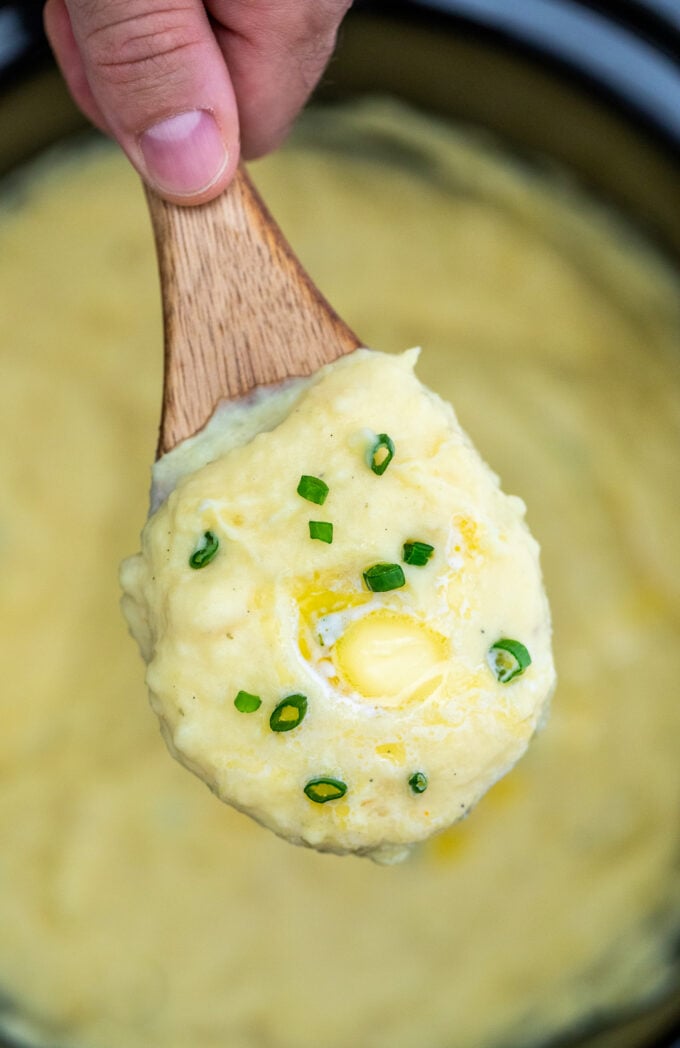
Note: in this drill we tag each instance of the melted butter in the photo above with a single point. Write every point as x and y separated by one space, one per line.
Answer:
138 912
391 658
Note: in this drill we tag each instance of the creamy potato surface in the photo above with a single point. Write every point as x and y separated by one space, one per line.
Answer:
136 911
344 618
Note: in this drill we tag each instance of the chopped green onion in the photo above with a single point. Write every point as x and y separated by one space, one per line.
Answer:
247 703
313 489
508 659
381 454
417 553
322 789
289 713
205 550
418 782
321 530
383 577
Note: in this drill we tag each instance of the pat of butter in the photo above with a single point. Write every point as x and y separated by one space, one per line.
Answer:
391 658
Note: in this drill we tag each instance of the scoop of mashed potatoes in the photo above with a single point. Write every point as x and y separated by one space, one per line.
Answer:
343 615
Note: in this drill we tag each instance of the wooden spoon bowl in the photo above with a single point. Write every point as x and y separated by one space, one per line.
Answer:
239 310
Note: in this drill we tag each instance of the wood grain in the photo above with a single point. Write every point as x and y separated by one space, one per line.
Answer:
239 311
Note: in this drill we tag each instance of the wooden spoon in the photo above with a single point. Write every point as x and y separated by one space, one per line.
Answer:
239 311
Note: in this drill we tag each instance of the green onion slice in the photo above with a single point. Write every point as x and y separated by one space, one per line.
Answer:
205 550
321 530
313 489
417 553
247 703
508 659
323 789
381 453
383 577
418 782
289 713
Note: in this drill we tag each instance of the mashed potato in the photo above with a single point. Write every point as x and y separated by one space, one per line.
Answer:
343 613
136 911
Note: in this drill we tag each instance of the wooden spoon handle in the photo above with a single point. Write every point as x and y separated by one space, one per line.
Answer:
239 309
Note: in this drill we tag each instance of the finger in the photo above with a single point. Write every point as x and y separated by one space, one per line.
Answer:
62 41
159 80
276 51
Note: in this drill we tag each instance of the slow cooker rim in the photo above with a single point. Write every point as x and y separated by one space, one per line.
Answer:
488 19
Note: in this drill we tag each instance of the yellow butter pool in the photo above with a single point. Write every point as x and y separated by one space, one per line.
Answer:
136 911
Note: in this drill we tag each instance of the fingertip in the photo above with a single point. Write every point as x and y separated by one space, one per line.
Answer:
157 75
187 158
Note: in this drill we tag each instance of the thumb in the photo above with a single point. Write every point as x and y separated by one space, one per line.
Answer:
154 76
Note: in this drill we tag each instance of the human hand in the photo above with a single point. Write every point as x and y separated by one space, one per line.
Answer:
186 86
